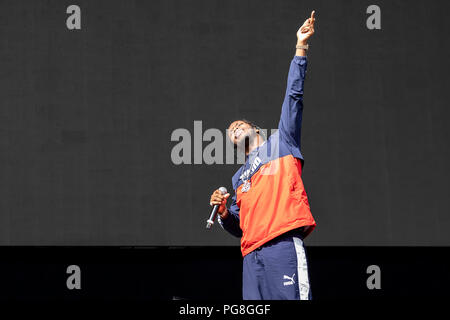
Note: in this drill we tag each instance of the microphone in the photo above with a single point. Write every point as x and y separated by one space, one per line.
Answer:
214 210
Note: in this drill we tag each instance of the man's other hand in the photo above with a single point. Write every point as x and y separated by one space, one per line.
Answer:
306 30
221 199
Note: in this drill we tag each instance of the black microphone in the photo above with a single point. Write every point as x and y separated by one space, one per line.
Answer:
214 210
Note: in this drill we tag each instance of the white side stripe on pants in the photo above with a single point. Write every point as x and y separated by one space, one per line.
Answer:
302 269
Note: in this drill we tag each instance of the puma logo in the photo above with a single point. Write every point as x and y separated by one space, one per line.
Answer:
291 280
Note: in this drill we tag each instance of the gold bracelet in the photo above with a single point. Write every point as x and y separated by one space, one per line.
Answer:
302 46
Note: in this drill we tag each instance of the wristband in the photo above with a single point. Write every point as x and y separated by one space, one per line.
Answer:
304 46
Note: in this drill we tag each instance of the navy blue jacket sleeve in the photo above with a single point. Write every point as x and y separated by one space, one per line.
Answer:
231 223
291 112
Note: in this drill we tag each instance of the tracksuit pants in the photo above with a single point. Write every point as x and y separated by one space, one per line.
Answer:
278 270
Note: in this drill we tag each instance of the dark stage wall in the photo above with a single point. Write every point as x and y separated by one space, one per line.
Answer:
87 115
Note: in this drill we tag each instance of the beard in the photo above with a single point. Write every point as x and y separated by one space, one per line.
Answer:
244 143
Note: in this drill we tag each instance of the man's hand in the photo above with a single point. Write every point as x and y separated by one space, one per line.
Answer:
221 199
306 30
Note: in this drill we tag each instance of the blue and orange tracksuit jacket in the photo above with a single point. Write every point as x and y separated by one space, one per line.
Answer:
269 197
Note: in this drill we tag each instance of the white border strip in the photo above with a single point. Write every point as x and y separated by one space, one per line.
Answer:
302 269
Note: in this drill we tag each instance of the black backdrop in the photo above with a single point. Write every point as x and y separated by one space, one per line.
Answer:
87 115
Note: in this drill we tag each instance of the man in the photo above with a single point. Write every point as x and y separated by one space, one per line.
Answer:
270 209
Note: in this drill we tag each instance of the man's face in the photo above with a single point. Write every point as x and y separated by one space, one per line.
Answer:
239 130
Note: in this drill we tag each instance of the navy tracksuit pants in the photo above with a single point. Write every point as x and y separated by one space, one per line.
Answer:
278 270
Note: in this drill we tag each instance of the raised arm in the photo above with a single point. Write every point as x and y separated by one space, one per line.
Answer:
291 111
